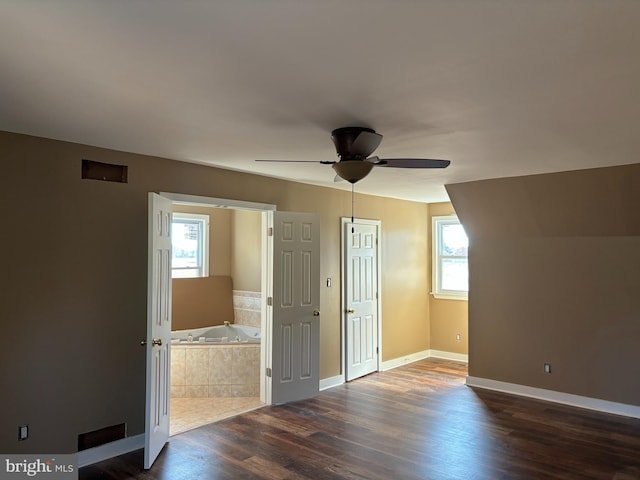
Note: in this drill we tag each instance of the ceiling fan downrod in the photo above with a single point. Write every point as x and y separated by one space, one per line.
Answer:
352 201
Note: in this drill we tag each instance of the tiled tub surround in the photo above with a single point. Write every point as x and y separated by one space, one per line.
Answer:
247 308
215 370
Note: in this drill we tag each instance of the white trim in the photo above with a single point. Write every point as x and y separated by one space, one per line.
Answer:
196 200
398 362
436 241
266 318
203 242
451 296
556 397
110 450
458 357
331 382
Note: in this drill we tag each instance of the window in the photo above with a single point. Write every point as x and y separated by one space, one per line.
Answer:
450 263
189 245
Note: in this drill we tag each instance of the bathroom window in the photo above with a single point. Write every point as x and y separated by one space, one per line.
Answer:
450 275
190 245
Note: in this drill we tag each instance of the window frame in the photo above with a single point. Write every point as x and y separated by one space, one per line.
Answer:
203 243
437 222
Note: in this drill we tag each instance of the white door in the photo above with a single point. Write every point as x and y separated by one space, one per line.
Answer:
158 341
295 333
361 299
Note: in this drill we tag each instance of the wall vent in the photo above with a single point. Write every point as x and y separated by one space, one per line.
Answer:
104 171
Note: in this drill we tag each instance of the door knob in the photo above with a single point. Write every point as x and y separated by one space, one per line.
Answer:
351 310
156 341
143 342
316 313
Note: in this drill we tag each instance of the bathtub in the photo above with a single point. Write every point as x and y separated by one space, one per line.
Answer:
220 361
219 334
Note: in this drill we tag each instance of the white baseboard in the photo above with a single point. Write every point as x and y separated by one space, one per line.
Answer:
557 397
331 382
414 357
397 362
458 357
110 450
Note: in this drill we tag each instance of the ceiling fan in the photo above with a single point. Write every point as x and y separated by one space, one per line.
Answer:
354 145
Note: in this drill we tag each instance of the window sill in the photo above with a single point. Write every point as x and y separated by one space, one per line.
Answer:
450 296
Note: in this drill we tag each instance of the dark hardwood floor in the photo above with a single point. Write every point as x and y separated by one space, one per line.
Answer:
418 421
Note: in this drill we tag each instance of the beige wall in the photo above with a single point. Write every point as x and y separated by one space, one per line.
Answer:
447 318
554 277
405 279
246 250
74 306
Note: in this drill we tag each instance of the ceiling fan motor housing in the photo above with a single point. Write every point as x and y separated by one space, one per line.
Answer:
355 143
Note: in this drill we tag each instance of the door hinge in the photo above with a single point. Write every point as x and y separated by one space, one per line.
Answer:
268 372
270 301
270 232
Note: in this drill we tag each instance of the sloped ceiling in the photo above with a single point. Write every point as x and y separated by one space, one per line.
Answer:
499 87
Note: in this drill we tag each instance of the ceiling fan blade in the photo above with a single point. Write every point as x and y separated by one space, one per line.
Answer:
412 163
324 162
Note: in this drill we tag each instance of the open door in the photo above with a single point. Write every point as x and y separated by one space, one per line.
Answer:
295 336
158 341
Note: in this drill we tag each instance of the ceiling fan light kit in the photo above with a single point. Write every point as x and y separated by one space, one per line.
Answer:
352 170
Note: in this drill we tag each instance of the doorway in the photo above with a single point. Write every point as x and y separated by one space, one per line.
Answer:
289 357
218 378
361 300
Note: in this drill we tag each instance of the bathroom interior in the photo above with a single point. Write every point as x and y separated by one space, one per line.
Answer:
216 340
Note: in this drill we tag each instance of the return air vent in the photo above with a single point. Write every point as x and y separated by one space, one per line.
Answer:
104 171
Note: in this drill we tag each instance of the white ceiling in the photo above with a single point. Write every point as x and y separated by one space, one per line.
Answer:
499 87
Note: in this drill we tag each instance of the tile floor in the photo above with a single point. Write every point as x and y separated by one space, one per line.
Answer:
190 413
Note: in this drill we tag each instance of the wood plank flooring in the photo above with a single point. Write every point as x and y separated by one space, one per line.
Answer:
418 421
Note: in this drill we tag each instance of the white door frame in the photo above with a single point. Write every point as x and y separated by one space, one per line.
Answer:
344 221
267 210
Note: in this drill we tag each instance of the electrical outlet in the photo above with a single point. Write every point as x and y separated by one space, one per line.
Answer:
458 337
23 432
547 368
